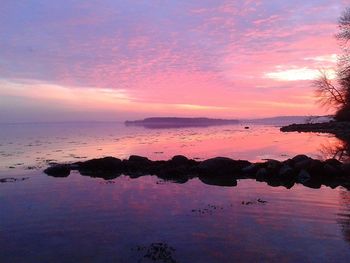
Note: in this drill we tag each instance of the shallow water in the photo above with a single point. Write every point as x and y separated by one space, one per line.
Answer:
83 219
33 145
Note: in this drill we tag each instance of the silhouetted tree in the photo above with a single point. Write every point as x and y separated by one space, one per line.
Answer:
337 93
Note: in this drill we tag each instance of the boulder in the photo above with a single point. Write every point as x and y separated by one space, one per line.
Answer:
59 170
109 164
300 157
137 165
302 164
261 174
303 177
221 166
273 166
286 171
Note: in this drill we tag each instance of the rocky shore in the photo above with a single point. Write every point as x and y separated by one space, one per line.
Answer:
221 171
340 129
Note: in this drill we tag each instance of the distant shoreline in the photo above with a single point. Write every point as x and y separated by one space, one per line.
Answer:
178 122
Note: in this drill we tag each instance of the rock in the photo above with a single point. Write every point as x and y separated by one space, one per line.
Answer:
286 170
273 166
139 159
137 165
331 170
345 168
303 164
109 164
300 158
316 168
180 159
59 170
221 166
333 162
303 177
261 173
251 169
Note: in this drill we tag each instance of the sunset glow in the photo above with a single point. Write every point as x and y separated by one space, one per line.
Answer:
115 60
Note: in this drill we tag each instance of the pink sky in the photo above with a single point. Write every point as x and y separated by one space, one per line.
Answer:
116 60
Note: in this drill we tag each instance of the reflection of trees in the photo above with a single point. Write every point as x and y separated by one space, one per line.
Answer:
339 150
344 217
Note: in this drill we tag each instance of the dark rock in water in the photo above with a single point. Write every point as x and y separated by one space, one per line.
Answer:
58 170
221 166
251 169
180 160
137 165
261 173
316 168
179 168
333 162
303 177
273 166
139 159
300 158
302 164
346 169
101 165
219 171
332 170
286 170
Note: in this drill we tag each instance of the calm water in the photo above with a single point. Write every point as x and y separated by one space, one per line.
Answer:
83 219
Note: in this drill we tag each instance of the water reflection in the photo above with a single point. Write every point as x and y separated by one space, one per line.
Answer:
344 215
339 149
33 145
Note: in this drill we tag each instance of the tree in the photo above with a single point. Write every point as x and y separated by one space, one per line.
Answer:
337 93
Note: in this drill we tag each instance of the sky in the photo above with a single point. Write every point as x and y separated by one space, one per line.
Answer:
117 60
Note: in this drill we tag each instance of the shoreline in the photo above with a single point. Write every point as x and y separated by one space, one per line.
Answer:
339 129
220 171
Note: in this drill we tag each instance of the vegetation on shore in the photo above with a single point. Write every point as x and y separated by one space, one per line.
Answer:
336 93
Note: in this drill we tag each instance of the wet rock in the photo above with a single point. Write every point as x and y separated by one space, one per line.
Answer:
180 160
333 162
58 170
303 177
137 165
332 170
251 169
285 171
302 165
261 173
101 165
300 158
221 166
273 166
315 168
346 169
219 171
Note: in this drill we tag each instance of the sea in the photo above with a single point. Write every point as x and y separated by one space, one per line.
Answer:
148 219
